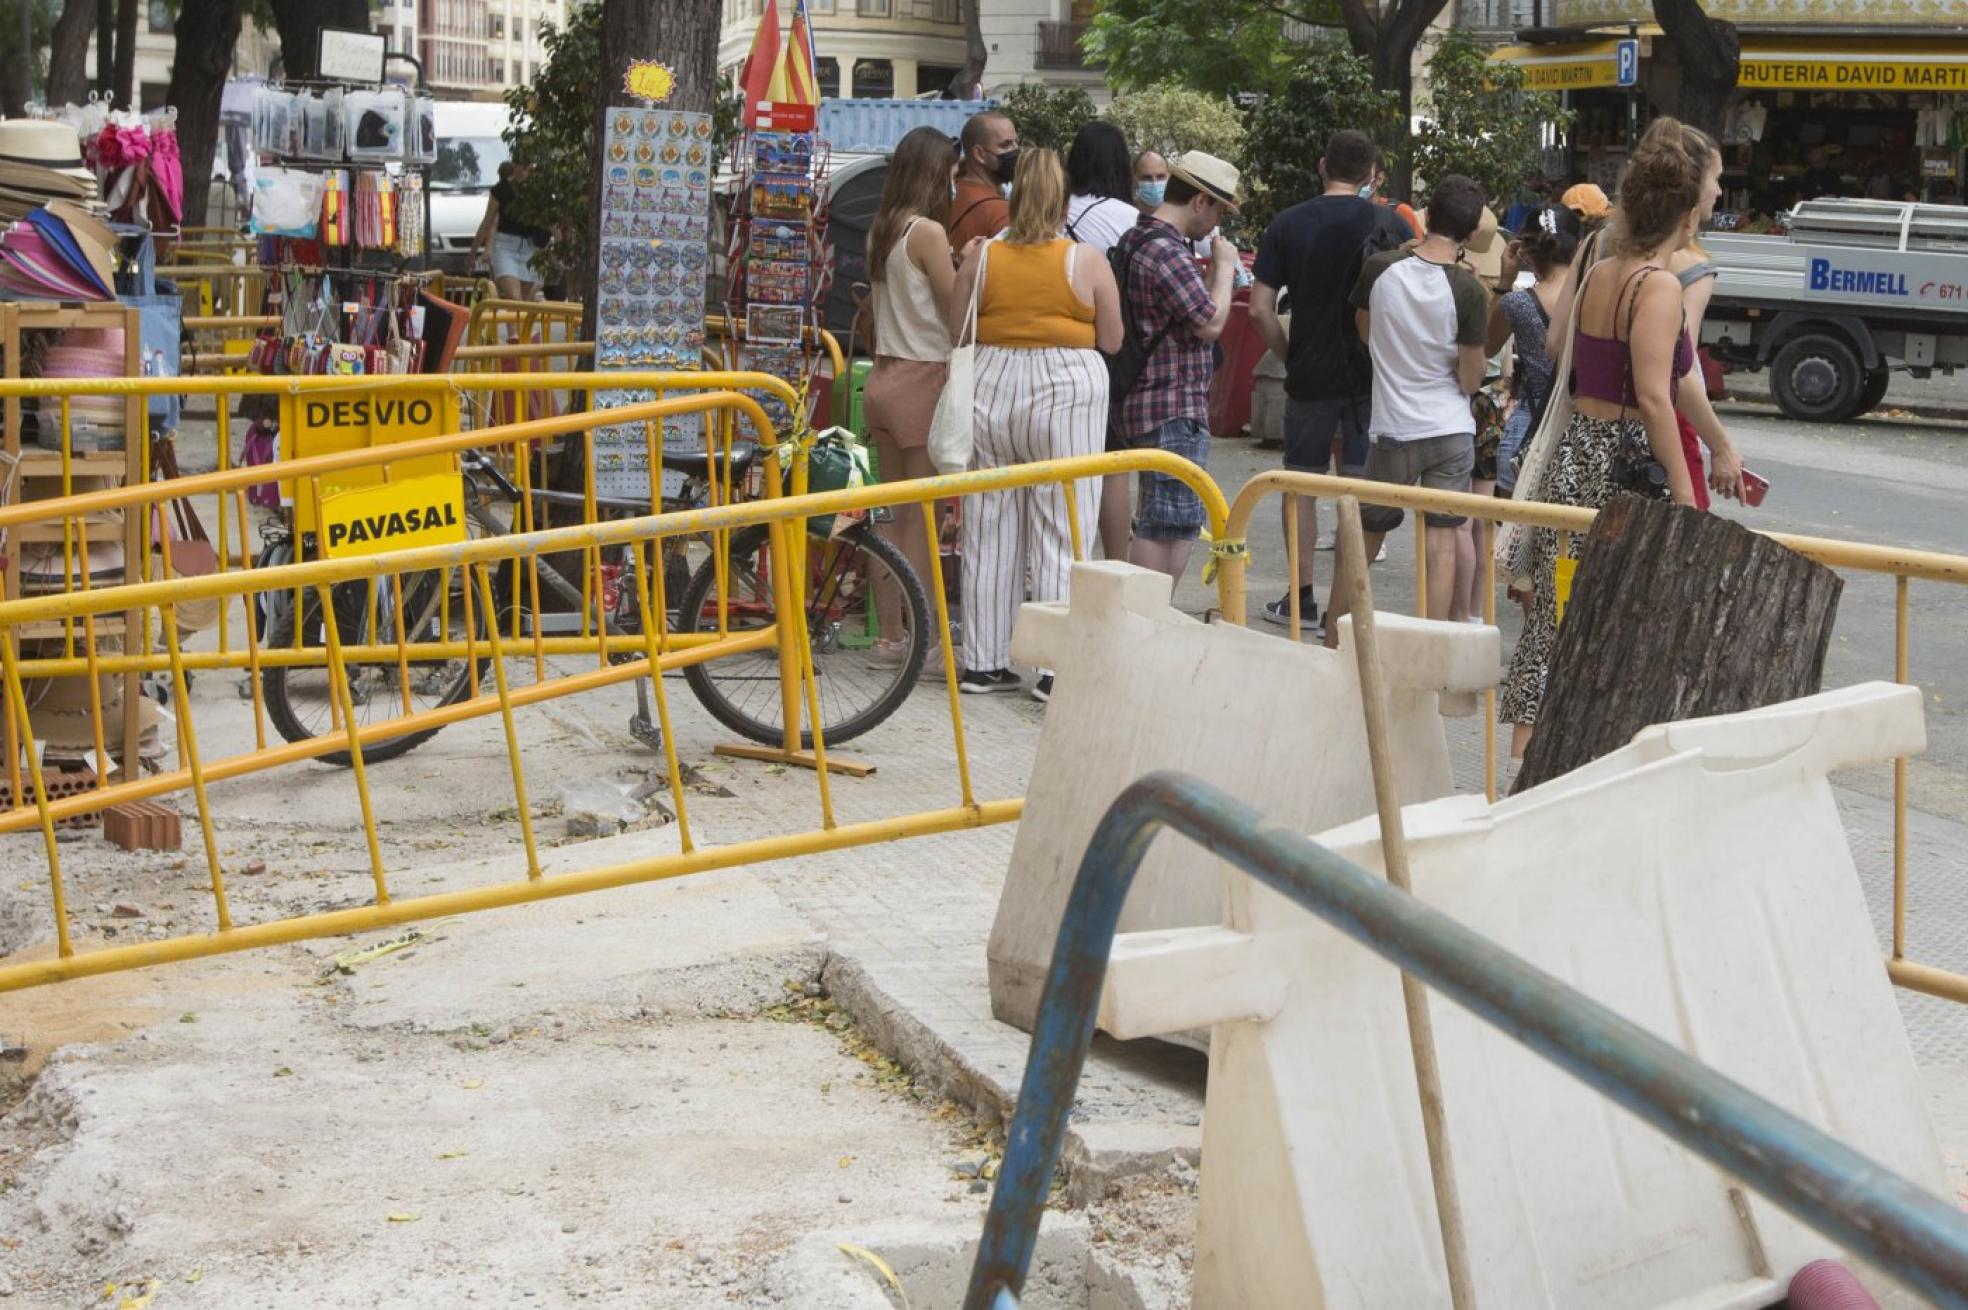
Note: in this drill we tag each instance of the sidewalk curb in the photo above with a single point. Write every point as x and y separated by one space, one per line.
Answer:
1764 405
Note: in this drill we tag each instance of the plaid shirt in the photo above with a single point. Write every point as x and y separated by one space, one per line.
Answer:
1164 287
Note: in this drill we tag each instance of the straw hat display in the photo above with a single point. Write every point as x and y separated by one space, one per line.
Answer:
41 160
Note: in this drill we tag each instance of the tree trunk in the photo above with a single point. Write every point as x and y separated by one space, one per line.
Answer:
126 54
1386 37
299 24
684 34
206 35
68 54
1711 51
1676 614
105 45
969 81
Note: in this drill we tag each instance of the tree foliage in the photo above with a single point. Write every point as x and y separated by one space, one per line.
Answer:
1048 117
553 130
1223 47
1333 90
1171 119
1481 122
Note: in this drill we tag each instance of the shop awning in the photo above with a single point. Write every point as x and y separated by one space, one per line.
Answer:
1578 67
1776 63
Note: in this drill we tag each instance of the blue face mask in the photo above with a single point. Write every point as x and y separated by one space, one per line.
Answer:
1366 191
1151 193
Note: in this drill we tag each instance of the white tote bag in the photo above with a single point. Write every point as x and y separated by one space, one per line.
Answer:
1512 544
950 435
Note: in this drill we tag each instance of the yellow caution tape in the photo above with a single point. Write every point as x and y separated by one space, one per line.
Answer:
1231 548
864 1254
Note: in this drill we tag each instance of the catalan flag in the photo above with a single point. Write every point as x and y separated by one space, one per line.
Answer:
804 71
755 81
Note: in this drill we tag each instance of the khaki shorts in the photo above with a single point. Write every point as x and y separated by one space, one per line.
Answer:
1439 463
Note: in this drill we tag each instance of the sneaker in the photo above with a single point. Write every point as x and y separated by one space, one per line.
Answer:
972 680
1042 689
1279 610
889 654
1380 556
1327 542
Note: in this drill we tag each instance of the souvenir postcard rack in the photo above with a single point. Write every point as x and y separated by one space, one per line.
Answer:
778 270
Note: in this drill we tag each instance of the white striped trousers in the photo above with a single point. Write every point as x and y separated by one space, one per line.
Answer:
1031 405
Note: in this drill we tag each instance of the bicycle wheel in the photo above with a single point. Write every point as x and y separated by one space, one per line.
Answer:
865 663
299 698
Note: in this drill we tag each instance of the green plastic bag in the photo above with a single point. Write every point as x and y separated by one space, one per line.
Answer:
835 462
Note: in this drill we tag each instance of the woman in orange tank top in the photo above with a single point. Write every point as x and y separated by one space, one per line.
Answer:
1047 308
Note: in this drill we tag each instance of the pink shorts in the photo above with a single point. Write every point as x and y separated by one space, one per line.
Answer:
900 399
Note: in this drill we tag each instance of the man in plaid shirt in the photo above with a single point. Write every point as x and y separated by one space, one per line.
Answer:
1177 320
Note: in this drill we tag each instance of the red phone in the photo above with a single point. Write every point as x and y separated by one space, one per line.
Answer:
1754 489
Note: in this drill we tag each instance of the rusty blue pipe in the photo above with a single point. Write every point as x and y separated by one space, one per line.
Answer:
1863 1207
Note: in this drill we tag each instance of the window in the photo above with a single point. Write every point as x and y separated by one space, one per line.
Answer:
874 79
871 8
498 70
153 95
163 16
822 6
935 77
830 77
498 28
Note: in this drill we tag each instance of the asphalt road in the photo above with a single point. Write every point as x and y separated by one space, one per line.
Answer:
1876 480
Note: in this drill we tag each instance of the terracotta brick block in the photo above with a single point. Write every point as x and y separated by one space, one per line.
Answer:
143 826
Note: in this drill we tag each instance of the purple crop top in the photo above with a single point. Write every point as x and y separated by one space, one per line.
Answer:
1600 366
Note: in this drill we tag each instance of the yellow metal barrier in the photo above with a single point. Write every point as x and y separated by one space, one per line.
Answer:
1902 565
476 561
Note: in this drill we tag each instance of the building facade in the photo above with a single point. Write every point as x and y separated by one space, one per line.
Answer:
472 49
157 47
899 49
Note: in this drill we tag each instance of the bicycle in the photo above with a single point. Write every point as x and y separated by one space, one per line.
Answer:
863 667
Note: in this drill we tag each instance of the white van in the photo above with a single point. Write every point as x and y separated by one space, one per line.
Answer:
469 152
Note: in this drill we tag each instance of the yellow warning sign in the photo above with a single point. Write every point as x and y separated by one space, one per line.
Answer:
427 511
330 422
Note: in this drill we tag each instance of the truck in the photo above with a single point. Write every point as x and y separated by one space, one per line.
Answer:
1853 292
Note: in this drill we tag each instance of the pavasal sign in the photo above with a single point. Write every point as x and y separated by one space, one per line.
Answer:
426 511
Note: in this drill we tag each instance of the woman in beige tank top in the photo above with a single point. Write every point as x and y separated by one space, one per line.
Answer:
911 278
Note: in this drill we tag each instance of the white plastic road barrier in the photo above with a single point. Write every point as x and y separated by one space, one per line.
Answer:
1697 881
1142 686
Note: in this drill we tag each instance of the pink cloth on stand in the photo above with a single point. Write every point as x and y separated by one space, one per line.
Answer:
1828 1285
167 173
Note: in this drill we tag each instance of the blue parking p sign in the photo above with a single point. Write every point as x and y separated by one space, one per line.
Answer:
1629 62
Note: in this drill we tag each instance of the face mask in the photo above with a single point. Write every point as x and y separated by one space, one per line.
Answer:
1151 193
1366 191
1008 165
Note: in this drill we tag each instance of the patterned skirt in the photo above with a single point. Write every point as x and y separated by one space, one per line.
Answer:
1580 472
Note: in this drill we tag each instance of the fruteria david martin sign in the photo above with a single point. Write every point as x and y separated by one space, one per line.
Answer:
426 511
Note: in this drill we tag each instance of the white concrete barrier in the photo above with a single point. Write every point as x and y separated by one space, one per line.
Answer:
1142 686
1697 881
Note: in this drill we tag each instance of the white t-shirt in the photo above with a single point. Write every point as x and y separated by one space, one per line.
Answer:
1098 221
1420 314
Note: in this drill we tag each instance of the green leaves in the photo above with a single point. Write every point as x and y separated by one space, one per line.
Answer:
1224 47
1047 117
1333 90
554 131
1171 119
1481 122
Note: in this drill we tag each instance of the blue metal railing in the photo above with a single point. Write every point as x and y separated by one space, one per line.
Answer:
1865 1208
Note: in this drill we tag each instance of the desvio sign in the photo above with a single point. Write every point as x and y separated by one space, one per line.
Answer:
330 422
1887 278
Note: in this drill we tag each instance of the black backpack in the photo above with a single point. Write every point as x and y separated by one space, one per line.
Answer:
1384 235
1126 365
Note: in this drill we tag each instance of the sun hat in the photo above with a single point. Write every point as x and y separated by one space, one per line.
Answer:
1484 248
1216 178
45 143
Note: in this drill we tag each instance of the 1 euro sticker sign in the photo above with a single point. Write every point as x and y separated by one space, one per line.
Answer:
425 511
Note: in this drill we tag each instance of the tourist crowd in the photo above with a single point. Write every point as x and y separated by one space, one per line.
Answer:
1090 293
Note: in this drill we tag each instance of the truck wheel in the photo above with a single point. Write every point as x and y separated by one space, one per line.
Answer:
1817 378
1873 392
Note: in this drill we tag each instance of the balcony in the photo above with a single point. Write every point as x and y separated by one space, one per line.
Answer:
1059 48
1503 15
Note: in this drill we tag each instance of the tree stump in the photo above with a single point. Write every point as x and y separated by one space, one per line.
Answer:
1676 614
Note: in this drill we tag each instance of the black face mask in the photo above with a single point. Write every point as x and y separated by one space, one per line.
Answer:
1008 164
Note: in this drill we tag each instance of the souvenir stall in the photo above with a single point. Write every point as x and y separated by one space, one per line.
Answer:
81 192
777 261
